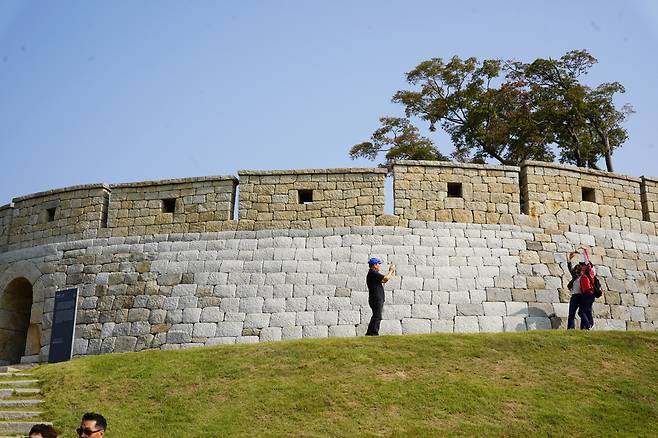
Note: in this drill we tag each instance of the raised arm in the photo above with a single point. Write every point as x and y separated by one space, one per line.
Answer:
389 274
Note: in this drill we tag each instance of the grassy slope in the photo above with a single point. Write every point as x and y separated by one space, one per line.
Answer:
541 383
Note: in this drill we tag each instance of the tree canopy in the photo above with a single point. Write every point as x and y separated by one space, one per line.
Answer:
504 111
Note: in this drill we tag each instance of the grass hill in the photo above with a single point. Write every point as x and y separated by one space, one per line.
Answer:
550 383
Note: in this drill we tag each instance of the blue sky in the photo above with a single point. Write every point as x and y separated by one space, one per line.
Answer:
98 91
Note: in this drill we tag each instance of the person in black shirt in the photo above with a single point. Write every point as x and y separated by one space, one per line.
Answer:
375 281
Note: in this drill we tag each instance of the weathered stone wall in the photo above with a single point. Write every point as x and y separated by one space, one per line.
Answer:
550 195
188 205
74 213
5 223
313 198
560 196
180 290
649 195
456 192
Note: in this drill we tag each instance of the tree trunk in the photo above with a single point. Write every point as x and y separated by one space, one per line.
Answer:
608 154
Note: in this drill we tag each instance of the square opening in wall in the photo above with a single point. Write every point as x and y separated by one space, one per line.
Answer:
589 194
50 214
169 205
305 196
454 190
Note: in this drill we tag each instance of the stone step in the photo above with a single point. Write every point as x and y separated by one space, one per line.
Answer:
18 427
7 415
19 403
9 383
8 392
15 368
17 374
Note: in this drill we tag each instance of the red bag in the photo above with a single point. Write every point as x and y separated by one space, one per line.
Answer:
587 276
586 281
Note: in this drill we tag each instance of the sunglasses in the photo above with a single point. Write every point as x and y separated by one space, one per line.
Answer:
86 432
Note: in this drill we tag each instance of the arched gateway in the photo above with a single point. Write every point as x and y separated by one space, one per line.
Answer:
15 307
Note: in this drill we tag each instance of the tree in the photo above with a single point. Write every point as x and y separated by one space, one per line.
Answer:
605 120
510 119
584 122
400 140
484 122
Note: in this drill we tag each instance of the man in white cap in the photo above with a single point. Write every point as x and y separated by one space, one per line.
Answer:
375 281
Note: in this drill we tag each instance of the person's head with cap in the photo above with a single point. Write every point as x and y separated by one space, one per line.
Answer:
375 263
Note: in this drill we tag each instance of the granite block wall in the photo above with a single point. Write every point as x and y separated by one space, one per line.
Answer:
6 212
187 205
456 192
313 198
75 213
649 195
560 196
178 290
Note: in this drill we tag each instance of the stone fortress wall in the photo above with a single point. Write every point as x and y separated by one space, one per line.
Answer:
478 248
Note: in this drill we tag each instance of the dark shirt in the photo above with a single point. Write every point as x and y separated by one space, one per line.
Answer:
375 286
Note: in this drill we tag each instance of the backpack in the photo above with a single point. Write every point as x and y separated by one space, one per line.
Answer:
598 292
587 280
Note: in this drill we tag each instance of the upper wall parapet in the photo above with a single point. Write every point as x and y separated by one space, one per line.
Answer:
182 205
76 212
310 198
455 192
560 196
537 194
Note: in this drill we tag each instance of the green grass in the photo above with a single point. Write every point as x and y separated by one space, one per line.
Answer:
539 384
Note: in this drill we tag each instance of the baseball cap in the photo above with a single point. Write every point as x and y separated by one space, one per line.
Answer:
374 261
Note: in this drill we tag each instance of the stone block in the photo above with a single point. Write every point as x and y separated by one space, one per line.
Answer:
317 303
256 320
140 328
211 314
314 331
466 324
339 303
291 332
396 311
191 315
204 330
403 297
283 319
274 305
270 334
517 309
468 309
251 305
442 326
494 309
460 297
305 318
416 326
349 317
327 318
390 327
342 331
425 311
227 340
514 324
125 344
139 314
491 324
538 323
229 328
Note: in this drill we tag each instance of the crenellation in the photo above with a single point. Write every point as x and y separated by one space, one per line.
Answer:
69 213
455 192
188 205
553 196
311 198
